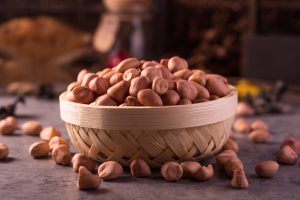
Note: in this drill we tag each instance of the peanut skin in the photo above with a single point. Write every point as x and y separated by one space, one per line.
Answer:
239 179
186 90
190 168
170 98
138 84
119 91
148 97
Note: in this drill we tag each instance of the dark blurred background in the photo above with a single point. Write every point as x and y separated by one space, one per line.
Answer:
51 40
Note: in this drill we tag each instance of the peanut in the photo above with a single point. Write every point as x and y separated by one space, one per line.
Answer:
293 143
164 62
241 126
171 85
217 76
216 86
72 85
186 90
239 179
184 102
170 98
61 154
202 92
204 173
287 155
131 74
81 75
148 97
176 63
149 64
99 85
151 73
116 78
48 133
171 171
231 144
87 78
104 71
127 64
267 169
224 156
199 77
79 160
105 100
166 74
119 91
139 168
244 109
233 164
109 74
86 180
200 100
8 125
39 149
57 140
138 84
160 85
110 170
81 94
32 128
259 136
132 101
258 124
213 97
183 73
4 151
190 168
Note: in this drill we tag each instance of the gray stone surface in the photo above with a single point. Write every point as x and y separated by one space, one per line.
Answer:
22 177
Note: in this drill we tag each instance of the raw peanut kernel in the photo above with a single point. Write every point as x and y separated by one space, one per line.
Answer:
293 143
224 156
160 85
239 179
79 160
119 91
86 180
81 75
39 149
190 168
4 151
61 154
259 136
105 100
217 86
72 85
258 124
184 102
199 77
48 133
183 73
171 97
148 97
204 173
116 78
127 64
87 79
8 125
139 168
243 109
57 140
99 85
231 144
131 74
186 90
267 169
166 74
32 128
171 171
151 73
233 164
110 170
241 126
138 84
81 94
287 155
176 63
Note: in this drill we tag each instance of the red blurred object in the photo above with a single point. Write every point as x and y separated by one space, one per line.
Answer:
116 59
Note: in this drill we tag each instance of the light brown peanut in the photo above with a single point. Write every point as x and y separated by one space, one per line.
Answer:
39 149
171 85
164 62
258 124
171 171
109 74
202 92
293 143
119 91
200 100
132 101
233 164
213 97
139 168
48 133
204 173
199 77
184 102
170 98
4 151
166 74
259 136
287 155
217 76
244 109
267 169
183 73
32 128
105 100
81 75
57 140
151 73
72 85
241 126
99 85
81 94
127 64
61 154
231 144
87 78
110 170
224 156
138 84
216 86
116 78
131 74
149 64
8 125
190 168
186 90
239 179
148 97
87 180
79 160
160 85
176 63
104 71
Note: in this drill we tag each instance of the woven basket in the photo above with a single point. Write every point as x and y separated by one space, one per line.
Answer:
155 134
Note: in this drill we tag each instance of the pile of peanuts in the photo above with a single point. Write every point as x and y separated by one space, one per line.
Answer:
147 83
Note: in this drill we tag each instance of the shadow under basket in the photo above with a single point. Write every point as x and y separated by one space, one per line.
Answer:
155 134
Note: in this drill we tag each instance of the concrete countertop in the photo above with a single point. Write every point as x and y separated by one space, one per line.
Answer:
22 177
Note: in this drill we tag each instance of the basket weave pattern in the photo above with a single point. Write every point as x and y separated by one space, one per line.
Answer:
154 146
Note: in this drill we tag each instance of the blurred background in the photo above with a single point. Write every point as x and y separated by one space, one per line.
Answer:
49 41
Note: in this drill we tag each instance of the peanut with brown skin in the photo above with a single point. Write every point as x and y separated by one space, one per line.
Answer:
204 173
213 97
86 180
61 154
72 85
110 170
186 90
81 94
79 160
183 73
217 76
4 151
190 168
138 84
57 140
132 101
239 179
48 133
200 100
87 78
259 136
39 149
139 168
127 64
8 125
151 73
131 74
164 62
184 102
170 98
199 77
119 91
244 109
171 85
99 85
32 128
148 97
267 169
202 92
105 100
109 74
171 171
176 63
116 78
258 124
160 85
231 144
293 143
287 155
233 164
216 86
149 64
81 75
241 126
224 156
104 71
166 74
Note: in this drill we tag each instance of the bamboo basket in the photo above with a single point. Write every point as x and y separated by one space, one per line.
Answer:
155 134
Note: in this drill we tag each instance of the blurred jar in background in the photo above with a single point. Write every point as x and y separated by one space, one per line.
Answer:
125 30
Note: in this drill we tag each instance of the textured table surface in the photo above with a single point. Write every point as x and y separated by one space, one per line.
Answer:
22 177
